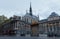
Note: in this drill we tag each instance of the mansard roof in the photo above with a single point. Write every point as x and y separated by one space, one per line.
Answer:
53 14
33 16
42 21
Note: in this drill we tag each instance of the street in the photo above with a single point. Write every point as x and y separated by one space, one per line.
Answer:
29 37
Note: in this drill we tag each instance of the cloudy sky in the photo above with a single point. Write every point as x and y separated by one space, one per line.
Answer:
43 8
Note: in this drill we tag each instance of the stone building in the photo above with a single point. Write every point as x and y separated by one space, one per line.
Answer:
22 27
17 25
50 25
29 17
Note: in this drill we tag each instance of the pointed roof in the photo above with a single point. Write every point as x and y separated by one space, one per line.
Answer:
30 10
53 14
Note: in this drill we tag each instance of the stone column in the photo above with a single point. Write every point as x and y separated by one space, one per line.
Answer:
56 27
59 27
48 29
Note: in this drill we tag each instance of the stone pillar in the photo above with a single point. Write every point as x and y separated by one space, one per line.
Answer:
48 29
55 28
59 27
45 28
51 27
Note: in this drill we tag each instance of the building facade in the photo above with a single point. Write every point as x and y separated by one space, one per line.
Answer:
50 25
17 25
22 25
29 17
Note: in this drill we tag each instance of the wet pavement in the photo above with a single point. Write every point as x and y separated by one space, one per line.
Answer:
28 37
18 37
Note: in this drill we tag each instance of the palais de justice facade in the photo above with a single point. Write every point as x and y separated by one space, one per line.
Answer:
51 24
28 23
20 25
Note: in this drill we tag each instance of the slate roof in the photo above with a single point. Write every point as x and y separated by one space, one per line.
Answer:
42 21
33 16
53 14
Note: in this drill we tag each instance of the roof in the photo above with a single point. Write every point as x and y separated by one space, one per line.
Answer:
33 16
53 14
44 20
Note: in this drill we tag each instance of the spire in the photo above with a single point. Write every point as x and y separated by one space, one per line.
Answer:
26 11
38 17
30 9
